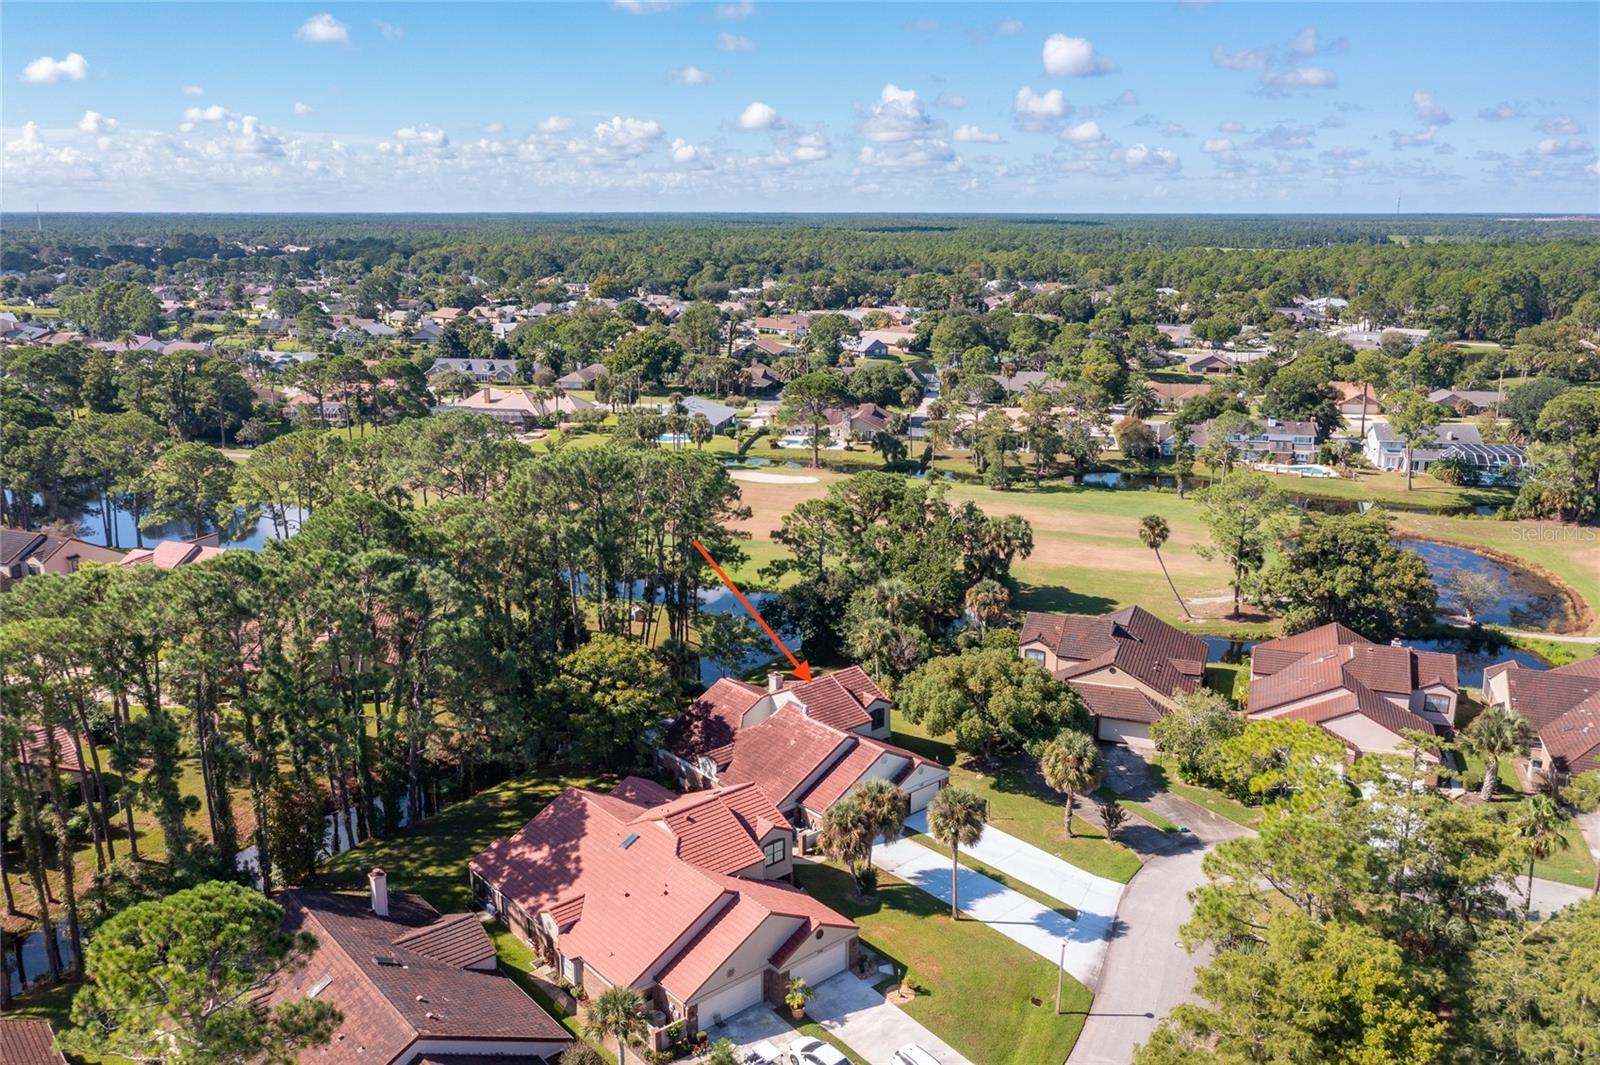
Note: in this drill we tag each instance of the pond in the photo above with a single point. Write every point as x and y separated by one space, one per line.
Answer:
1228 650
1529 600
1474 656
24 958
252 535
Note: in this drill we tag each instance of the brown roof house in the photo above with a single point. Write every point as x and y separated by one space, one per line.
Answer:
1129 666
25 1041
1367 694
414 986
679 897
170 554
25 553
1562 708
806 746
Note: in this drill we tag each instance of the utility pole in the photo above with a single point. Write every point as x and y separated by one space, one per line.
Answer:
1060 968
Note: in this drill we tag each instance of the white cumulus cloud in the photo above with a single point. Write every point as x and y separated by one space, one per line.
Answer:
555 124
95 122
303 108
970 134
741 9
323 29
1428 108
1083 133
1073 57
1304 42
1300 78
1213 145
732 42
690 75
758 115
45 70
1247 59
1037 110
1141 157
193 90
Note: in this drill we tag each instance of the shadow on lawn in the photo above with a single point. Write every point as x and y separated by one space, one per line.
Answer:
1055 599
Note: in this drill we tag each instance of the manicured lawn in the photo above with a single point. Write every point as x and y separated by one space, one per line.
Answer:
1230 678
518 962
1164 771
431 859
1139 810
1021 805
989 998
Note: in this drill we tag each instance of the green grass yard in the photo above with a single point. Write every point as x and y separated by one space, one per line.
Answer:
1164 772
1021 805
989 998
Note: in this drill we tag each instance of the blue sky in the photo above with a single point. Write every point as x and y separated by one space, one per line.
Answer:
799 106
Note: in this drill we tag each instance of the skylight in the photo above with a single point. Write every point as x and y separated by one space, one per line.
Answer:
633 837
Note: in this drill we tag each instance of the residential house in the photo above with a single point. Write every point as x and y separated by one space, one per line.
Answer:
761 380
170 554
1562 709
806 745
444 315
1467 400
414 986
721 416
518 408
1017 383
795 325
1129 667
1170 395
681 898
1270 441
1385 449
865 347
25 553
28 1041
484 371
425 333
360 332
1180 335
864 421
1367 694
1357 400
582 379
1210 363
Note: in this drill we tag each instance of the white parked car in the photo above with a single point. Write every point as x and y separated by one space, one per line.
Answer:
815 1052
911 1054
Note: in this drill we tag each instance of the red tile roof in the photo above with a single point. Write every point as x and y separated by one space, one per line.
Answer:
625 882
35 749
1121 704
26 1041
392 995
1573 739
710 722
780 753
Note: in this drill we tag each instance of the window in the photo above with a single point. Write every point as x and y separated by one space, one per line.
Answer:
1439 704
776 850
880 716
1033 655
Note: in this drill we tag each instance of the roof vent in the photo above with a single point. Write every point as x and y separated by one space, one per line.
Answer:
633 837
319 987
389 961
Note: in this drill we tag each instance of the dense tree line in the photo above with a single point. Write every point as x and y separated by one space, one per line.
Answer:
394 650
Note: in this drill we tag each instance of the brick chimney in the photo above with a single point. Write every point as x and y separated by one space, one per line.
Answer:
378 880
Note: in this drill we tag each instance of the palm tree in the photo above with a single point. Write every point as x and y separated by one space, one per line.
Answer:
1153 532
988 603
1496 733
1069 763
618 1012
874 811
955 818
1540 820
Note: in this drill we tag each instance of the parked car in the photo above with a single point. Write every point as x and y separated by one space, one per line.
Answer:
911 1054
815 1052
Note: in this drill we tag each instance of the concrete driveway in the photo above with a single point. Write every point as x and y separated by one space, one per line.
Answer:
1147 971
869 1024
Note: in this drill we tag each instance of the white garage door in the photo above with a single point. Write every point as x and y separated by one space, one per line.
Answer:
830 962
735 998
921 797
1115 731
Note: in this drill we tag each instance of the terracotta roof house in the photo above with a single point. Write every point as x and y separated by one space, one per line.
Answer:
864 420
1365 693
680 897
1562 708
26 1041
806 746
170 554
1128 666
768 347
516 407
33 749
414 986
25 553
1270 441
791 324
1172 394
762 379
1356 398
